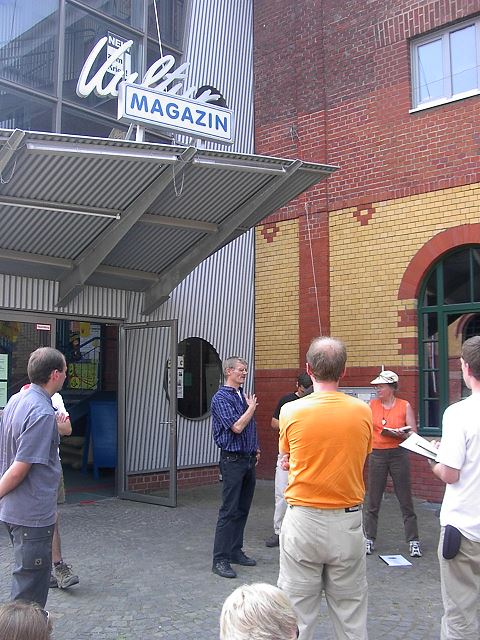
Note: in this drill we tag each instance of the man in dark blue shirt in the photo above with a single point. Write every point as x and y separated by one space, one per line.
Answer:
235 433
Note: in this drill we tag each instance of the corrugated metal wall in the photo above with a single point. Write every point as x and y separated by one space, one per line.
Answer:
147 413
216 301
219 46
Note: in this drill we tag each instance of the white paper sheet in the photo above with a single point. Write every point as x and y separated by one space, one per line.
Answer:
420 445
396 561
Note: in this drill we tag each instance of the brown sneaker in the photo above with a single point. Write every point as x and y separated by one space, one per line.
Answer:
64 575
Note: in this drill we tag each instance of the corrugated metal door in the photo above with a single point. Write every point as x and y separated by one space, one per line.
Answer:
147 444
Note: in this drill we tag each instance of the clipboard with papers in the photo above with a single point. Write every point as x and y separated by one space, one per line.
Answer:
420 445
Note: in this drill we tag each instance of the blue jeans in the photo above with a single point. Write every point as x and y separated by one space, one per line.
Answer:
238 474
32 549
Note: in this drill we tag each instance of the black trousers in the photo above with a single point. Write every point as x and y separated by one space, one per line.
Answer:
32 549
238 474
396 463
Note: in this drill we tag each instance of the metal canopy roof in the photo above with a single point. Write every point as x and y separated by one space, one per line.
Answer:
130 215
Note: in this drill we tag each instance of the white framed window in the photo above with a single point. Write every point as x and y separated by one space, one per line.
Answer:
445 65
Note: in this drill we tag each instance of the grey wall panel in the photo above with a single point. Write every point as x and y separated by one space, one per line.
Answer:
31 294
146 413
219 47
213 303
27 294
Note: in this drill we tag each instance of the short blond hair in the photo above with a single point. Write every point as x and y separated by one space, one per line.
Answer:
258 612
21 620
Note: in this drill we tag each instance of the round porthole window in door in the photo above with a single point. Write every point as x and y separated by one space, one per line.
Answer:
199 378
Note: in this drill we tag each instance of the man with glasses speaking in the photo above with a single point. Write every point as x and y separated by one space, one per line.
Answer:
30 472
235 433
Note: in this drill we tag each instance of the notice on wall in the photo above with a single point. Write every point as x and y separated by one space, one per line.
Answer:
180 383
3 366
122 63
3 394
362 393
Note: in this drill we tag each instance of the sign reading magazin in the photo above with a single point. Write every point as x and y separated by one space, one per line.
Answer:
160 99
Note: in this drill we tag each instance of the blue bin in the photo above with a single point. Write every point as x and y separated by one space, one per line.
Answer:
102 425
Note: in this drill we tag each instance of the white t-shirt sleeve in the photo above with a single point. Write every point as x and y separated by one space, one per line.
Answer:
58 405
452 450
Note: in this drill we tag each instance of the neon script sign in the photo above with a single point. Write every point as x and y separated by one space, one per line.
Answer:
160 75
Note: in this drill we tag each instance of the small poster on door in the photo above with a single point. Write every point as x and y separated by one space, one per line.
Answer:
3 394
180 376
3 366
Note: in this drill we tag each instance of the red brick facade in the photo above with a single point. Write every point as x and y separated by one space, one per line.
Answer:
333 85
160 481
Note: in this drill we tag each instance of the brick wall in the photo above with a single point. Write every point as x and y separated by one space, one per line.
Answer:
368 262
276 295
332 85
160 481
270 386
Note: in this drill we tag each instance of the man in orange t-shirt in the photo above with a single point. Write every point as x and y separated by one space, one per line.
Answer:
326 438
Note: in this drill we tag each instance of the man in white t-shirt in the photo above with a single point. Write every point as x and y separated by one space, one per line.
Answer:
62 575
458 465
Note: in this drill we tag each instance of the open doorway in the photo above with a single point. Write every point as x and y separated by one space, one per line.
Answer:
89 455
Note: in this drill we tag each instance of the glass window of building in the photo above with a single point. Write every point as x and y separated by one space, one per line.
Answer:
170 20
199 374
449 313
23 111
82 32
43 43
77 122
127 11
28 43
445 65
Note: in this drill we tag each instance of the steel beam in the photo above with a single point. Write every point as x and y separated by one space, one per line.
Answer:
90 260
10 147
176 272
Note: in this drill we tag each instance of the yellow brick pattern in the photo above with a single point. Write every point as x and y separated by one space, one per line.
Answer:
367 264
276 298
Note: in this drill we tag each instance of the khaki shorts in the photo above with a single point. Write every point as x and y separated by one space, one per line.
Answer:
61 490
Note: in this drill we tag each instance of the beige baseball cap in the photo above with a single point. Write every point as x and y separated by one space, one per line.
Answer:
385 377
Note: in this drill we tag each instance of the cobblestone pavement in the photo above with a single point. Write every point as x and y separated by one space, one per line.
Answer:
145 570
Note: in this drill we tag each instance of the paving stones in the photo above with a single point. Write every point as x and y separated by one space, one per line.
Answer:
145 571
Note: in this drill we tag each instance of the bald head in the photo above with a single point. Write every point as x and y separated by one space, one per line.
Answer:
327 358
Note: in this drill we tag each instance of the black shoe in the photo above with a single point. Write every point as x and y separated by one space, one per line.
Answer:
222 568
241 558
273 540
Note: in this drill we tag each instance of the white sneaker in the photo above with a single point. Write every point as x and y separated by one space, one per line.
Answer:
369 547
415 551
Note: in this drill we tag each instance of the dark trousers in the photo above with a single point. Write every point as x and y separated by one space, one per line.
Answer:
396 463
32 550
238 475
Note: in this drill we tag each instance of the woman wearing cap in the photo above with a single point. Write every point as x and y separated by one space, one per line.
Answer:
393 420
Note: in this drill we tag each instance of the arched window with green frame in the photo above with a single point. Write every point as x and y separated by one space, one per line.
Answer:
448 314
